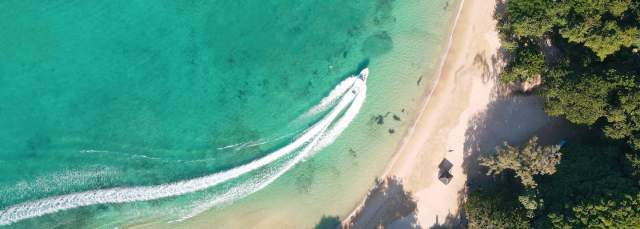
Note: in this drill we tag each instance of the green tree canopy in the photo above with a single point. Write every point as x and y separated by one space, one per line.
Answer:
491 210
526 63
604 26
533 18
601 25
532 159
590 188
587 54
589 97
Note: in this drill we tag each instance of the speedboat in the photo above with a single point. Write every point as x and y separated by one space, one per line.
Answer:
364 74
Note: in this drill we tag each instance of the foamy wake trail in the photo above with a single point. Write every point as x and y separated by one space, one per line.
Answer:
333 96
345 120
252 186
324 131
244 145
324 138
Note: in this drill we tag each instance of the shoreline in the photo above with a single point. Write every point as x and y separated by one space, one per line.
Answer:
466 112
422 29
441 63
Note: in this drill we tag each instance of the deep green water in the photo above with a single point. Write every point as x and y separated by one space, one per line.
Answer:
102 94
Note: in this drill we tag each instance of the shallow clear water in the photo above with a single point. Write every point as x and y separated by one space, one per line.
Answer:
98 95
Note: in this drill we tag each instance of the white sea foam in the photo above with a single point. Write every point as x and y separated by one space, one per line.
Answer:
346 119
230 146
323 139
333 96
242 145
252 186
120 154
309 139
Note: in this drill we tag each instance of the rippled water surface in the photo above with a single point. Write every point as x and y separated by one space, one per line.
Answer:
102 99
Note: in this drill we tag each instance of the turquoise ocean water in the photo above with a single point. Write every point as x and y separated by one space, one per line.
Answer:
102 99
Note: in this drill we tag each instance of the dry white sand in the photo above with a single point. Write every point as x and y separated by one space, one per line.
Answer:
466 113
466 87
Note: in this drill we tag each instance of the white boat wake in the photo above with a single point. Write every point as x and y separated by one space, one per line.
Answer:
349 96
323 139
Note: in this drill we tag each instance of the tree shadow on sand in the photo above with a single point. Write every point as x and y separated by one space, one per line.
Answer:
388 205
451 221
512 116
491 68
513 119
510 119
328 222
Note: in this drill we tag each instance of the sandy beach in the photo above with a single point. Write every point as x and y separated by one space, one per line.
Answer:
468 112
